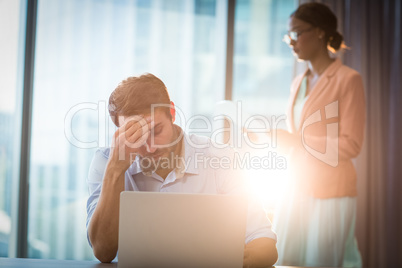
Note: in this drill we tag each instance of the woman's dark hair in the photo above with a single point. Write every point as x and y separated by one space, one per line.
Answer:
319 15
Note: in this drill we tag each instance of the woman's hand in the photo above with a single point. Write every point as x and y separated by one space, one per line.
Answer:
284 141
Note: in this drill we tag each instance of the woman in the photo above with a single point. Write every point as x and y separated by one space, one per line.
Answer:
326 114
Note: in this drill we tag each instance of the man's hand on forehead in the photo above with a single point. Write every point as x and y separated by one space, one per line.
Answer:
141 119
137 121
135 130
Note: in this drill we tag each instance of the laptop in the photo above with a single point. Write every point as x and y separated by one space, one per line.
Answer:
181 230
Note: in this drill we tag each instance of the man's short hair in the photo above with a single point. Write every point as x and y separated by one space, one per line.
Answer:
136 94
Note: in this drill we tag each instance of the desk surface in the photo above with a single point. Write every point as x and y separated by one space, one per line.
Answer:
44 263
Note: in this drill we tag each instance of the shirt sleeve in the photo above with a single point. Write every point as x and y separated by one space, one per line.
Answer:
258 224
94 181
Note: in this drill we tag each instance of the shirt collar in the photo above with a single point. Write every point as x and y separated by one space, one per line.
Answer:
186 165
135 167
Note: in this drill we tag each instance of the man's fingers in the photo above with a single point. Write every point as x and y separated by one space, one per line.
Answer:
137 133
133 123
134 132
143 139
139 137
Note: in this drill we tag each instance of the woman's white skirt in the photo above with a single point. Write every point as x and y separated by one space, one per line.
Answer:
317 232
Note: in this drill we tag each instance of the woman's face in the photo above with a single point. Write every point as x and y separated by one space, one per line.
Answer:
310 39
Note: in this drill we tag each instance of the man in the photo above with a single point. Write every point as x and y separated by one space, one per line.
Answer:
144 157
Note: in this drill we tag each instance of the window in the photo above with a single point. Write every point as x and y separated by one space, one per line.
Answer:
262 62
83 50
12 28
262 71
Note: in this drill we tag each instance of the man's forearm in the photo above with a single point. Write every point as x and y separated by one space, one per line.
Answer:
260 252
103 230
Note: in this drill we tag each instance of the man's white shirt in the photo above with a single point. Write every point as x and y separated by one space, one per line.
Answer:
203 169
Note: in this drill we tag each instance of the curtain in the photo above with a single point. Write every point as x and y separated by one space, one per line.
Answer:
372 29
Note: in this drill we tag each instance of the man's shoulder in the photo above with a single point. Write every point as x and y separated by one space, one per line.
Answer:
101 156
194 139
98 165
103 152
